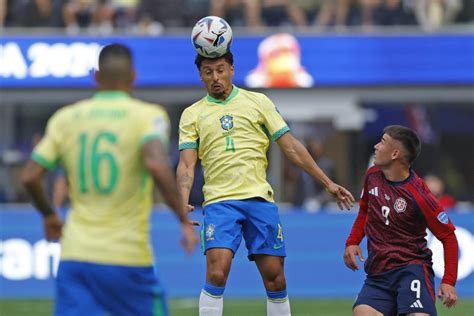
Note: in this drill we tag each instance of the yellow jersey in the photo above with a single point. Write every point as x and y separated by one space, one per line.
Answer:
232 138
99 143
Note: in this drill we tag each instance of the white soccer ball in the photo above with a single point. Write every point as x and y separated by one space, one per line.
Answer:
211 36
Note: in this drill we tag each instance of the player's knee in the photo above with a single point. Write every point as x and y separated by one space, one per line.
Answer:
217 277
275 282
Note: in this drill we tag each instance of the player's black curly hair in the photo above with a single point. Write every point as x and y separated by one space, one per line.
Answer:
229 58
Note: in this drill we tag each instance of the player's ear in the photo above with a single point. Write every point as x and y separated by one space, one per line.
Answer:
133 76
396 154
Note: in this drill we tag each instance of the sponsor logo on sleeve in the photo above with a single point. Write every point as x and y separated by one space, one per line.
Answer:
443 217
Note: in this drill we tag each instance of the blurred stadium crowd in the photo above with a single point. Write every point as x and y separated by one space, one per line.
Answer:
152 16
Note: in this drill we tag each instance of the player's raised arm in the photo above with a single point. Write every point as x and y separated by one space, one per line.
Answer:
32 179
299 155
157 163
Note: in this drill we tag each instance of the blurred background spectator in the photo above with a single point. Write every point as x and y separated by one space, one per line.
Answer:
308 193
90 13
438 187
101 16
152 16
237 12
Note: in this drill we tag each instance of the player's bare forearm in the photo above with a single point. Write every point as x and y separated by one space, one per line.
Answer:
299 155
157 163
32 176
185 178
60 191
185 173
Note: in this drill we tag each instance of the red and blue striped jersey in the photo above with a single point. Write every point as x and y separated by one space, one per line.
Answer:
394 217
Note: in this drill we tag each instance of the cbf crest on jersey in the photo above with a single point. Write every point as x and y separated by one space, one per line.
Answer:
227 122
400 205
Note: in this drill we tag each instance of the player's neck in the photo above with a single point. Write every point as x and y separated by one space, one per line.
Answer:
125 89
396 173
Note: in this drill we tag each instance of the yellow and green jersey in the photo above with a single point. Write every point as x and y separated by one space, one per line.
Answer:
232 138
99 143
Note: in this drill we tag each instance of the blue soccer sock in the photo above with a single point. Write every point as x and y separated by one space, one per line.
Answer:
278 303
213 290
211 301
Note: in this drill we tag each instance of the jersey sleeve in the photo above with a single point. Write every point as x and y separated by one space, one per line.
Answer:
188 135
440 225
156 125
47 152
357 232
272 119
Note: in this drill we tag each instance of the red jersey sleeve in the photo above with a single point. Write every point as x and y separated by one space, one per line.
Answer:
440 225
357 232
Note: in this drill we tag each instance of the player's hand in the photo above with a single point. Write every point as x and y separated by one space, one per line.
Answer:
447 294
190 208
344 198
350 254
190 238
53 227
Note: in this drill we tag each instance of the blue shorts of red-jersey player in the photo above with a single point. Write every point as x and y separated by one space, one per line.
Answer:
408 289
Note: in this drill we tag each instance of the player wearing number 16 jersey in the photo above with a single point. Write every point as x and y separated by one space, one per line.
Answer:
111 147
396 207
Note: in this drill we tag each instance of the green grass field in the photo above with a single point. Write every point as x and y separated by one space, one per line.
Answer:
185 307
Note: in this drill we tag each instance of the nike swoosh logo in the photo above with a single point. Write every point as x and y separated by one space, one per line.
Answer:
277 246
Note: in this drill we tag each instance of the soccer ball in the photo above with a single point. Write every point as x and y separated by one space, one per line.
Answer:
211 36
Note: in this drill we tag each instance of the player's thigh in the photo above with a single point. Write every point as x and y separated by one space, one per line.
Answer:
416 290
218 263
73 296
222 226
378 294
262 229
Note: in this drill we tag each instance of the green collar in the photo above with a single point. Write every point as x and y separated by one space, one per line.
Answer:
234 92
111 95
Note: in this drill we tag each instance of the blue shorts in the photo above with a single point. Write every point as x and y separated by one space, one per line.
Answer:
255 219
98 289
409 289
